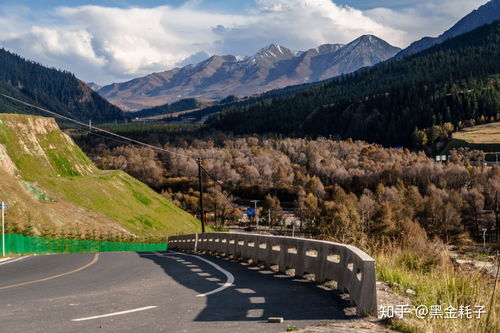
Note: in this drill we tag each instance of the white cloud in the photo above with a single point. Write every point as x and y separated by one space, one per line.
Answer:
301 24
108 44
105 44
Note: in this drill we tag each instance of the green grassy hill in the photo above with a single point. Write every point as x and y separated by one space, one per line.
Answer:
49 183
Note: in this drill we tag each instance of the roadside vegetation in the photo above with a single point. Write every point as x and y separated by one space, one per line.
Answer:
425 270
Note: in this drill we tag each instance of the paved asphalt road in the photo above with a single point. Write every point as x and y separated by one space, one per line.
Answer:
154 292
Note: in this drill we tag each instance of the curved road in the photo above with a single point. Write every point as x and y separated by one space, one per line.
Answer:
154 292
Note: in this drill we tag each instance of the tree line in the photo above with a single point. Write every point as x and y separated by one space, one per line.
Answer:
349 191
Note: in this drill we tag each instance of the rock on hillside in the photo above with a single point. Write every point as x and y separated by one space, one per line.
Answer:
50 184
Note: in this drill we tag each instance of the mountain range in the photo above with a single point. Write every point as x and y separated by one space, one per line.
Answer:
272 67
485 14
454 82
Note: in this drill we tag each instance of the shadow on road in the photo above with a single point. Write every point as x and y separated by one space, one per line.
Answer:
255 295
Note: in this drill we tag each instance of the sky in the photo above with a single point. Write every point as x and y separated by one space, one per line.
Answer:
113 41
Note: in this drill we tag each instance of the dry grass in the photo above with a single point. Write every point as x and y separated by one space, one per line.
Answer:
481 134
437 282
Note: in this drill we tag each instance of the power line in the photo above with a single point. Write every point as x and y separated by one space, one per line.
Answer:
220 184
100 135
91 129
55 114
213 178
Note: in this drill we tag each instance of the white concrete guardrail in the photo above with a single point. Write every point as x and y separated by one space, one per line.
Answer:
352 269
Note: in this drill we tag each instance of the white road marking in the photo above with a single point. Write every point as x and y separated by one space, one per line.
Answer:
115 313
245 291
213 279
230 277
257 300
13 260
255 313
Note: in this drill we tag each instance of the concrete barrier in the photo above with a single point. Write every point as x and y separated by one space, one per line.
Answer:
352 269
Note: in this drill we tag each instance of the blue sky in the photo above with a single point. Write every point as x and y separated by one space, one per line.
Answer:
109 40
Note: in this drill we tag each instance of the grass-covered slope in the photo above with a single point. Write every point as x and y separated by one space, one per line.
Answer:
480 134
485 137
49 183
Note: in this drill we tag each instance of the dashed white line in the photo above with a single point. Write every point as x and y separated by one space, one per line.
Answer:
230 277
115 313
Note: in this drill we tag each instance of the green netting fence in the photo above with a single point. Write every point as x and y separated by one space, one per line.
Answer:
20 244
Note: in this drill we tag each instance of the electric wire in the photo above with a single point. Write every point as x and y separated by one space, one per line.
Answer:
220 184
91 130
55 114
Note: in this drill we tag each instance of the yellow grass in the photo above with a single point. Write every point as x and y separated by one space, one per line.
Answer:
487 133
437 282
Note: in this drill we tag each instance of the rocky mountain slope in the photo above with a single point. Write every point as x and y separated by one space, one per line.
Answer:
50 184
273 67
485 14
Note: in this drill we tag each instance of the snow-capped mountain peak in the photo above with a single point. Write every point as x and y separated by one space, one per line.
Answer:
274 66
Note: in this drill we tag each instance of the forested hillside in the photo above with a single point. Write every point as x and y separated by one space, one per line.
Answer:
181 105
345 190
454 82
57 90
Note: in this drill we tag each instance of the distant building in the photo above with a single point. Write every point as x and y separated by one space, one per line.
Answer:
290 219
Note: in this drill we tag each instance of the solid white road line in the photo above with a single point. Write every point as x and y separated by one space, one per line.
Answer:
230 277
229 282
13 260
115 313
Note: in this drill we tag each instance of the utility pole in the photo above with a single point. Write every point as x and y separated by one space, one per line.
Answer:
200 183
4 207
269 218
256 214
